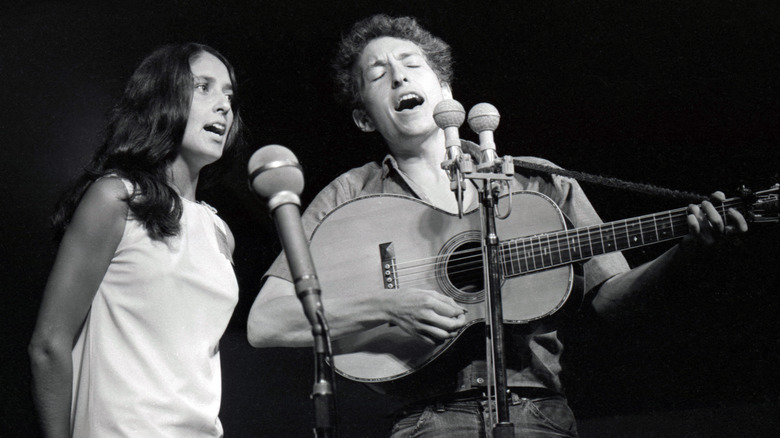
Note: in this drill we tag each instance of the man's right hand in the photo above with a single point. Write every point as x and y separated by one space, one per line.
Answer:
426 314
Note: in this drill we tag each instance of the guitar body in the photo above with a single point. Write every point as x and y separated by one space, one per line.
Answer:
376 244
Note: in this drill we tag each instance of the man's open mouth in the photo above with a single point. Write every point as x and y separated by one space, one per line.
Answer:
409 101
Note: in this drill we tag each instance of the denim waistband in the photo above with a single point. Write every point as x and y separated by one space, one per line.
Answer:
479 394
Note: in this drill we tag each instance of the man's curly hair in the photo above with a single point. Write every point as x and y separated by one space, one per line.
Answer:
437 52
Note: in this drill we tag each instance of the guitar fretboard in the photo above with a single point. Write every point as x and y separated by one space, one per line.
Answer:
543 251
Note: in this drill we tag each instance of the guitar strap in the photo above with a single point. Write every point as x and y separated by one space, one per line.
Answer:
609 182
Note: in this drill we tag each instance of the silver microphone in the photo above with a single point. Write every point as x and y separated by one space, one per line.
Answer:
483 119
449 115
276 176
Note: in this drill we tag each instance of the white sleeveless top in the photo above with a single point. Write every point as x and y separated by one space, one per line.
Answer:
146 363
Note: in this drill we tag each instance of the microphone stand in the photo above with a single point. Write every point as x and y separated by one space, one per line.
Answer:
494 330
323 394
274 173
307 289
493 171
492 174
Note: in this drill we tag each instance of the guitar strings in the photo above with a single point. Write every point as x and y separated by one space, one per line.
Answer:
555 241
621 225
470 260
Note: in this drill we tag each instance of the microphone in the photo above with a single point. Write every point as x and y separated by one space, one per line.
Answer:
276 176
483 119
449 115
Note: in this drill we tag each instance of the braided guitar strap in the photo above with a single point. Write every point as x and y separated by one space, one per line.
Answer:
610 182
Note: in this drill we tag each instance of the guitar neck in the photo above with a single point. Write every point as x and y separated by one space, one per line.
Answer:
543 251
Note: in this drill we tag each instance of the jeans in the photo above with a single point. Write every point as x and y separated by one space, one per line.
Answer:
539 417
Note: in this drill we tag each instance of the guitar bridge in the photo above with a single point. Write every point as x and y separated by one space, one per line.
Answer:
389 273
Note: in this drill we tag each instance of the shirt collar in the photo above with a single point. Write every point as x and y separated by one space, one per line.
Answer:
389 162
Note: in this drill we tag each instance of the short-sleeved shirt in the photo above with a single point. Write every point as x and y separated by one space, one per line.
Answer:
533 349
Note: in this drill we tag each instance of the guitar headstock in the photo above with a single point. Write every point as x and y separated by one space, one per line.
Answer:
762 207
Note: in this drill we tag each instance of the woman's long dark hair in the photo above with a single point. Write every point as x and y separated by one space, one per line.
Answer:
144 133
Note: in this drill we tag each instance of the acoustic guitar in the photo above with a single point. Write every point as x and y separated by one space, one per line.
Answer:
386 242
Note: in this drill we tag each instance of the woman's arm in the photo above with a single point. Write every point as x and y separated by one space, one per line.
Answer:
84 255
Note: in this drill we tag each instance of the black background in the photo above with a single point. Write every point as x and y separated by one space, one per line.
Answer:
680 94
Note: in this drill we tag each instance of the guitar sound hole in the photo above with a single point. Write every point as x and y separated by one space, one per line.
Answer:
464 268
